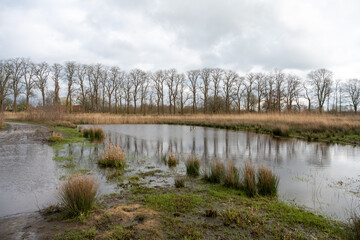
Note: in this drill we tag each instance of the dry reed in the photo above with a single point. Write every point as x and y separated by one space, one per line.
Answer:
78 194
249 179
179 181
56 137
113 156
267 183
192 166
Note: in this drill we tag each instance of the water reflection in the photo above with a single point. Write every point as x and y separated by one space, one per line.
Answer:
309 172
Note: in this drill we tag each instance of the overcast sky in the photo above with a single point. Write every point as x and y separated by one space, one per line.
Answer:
243 35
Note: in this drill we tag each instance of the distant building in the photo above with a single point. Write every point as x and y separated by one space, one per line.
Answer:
76 108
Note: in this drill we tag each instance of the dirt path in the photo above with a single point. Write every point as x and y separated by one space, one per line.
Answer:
20 133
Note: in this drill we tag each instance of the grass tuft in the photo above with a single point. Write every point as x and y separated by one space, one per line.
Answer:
232 176
78 194
192 166
216 173
267 183
94 133
355 224
249 179
172 161
56 137
179 181
113 156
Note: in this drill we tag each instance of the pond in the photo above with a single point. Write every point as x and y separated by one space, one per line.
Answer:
321 177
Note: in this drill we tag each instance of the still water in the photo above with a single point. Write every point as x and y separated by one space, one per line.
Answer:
324 178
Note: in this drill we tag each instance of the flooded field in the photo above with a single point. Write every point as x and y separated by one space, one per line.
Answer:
324 178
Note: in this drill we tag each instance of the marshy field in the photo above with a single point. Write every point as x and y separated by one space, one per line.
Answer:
243 176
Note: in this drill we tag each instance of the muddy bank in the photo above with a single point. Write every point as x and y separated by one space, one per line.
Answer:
19 133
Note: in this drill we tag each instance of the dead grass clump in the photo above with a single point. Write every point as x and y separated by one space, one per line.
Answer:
249 179
179 181
172 161
113 156
192 166
216 173
267 183
56 137
232 176
78 194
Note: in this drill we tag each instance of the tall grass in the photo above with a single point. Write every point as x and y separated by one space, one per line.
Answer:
249 179
78 194
55 137
267 183
232 176
216 173
355 223
113 156
179 181
192 166
94 133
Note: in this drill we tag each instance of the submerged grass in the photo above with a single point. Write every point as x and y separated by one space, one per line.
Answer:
113 156
179 181
192 166
94 133
232 176
78 194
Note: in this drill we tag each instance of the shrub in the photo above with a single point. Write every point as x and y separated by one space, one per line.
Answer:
78 194
249 179
267 183
192 166
172 161
217 172
232 176
56 137
113 156
179 182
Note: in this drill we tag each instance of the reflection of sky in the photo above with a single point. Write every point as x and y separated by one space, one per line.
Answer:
308 171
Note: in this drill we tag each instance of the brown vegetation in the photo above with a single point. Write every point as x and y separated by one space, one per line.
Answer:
78 193
113 156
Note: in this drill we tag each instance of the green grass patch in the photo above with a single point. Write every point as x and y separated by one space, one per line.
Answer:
172 202
63 158
77 235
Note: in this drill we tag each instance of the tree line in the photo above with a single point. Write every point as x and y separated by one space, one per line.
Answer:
100 88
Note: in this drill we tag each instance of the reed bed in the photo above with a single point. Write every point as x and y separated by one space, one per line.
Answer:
192 166
279 121
113 156
267 183
78 194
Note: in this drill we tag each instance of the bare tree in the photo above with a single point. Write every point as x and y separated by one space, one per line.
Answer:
249 87
103 81
70 70
81 74
353 90
119 90
112 83
193 76
308 94
128 90
5 76
144 89
260 85
321 80
159 78
205 86
136 78
96 72
172 86
293 84
279 78
29 70
56 76
229 82
217 77
17 65
239 92
180 79
42 73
